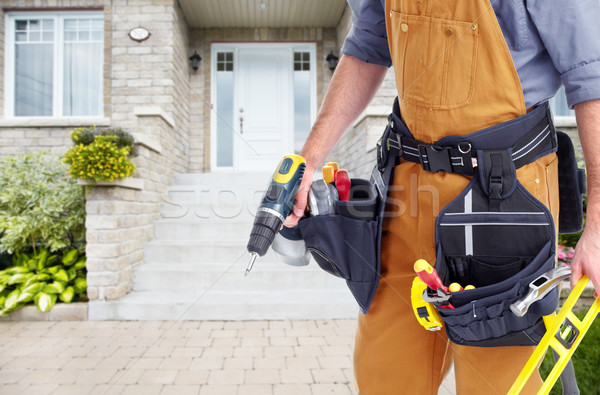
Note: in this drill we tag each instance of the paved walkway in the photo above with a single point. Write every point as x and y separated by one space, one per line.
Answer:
174 357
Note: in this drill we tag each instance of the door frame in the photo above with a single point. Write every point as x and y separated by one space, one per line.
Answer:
234 47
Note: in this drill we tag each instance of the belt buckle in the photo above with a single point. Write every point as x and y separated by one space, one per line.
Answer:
435 159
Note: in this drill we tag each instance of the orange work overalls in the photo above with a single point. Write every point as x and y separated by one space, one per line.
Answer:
454 75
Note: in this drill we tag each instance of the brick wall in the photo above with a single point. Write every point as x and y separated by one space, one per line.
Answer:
146 92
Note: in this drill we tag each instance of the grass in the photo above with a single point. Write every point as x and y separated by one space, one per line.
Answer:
586 361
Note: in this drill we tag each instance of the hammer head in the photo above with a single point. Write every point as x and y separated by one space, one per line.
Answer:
539 288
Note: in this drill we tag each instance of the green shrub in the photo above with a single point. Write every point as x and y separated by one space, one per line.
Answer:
100 155
42 278
39 204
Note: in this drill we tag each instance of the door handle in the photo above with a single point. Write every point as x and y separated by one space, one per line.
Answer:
241 125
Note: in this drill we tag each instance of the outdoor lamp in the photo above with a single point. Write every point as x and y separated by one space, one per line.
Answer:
195 60
332 60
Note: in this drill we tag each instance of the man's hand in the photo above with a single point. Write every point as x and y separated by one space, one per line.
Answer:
301 199
352 87
587 253
587 256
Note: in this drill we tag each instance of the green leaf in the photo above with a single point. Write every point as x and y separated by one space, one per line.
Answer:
72 273
80 284
19 278
12 299
51 260
42 258
2 300
44 301
34 288
17 269
68 295
55 288
25 297
31 264
80 264
70 257
51 270
61 275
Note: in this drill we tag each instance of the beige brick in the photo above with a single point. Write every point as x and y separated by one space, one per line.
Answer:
262 376
330 389
206 363
161 376
191 377
292 389
329 376
293 376
180 389
146 389
226 377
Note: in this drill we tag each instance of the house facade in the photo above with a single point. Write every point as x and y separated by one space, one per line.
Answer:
215 92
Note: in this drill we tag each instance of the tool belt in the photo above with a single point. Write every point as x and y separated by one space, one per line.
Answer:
494 235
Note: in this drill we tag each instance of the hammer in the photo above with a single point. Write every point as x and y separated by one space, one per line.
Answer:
539 288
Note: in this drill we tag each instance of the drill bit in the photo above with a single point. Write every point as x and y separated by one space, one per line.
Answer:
253 256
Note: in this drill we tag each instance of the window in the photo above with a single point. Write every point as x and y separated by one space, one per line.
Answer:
302 99
54 64
225 109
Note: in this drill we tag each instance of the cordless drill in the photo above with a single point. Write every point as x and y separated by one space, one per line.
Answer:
276 205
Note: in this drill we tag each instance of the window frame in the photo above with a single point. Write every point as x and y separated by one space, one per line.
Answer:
58 64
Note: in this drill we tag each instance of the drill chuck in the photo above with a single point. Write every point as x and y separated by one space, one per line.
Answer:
266 226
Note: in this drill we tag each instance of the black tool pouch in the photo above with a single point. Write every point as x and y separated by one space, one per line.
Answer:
347 244
572 184
497 237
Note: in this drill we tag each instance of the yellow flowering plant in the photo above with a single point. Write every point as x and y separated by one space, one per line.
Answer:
100 155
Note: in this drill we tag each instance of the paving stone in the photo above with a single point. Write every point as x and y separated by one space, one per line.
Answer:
191 377
180 389
158 377
255 389
262 376
107 389
11 376
302 362
293 376
340 361
142 390
238 363
269 363
175 363
207 363
226 377
329 389
187 351
329 376
292 389
223 389
73 389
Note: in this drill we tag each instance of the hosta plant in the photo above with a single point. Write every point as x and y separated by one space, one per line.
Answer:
42 278
100 155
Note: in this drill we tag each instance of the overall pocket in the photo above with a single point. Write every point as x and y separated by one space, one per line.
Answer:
347 248
434 59
500 252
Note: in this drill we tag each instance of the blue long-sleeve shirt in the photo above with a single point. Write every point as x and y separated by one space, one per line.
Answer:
551 41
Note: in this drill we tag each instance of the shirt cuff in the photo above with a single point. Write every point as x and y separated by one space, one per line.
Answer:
582 83
367 47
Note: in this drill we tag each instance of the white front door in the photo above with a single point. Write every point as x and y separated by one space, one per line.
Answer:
264 103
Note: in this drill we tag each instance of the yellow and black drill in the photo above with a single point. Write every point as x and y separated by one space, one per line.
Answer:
276 205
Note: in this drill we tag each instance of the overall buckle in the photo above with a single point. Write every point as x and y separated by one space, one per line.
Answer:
435 159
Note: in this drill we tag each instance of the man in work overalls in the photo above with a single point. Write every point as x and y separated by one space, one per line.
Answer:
513 57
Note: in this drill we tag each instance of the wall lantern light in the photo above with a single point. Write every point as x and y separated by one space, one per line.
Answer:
332 60
195 60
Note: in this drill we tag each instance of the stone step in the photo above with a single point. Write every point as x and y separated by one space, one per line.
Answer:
195 228
228 305
215 179
200 251
239 210
264 275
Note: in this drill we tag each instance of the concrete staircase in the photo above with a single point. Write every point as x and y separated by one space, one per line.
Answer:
194 267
